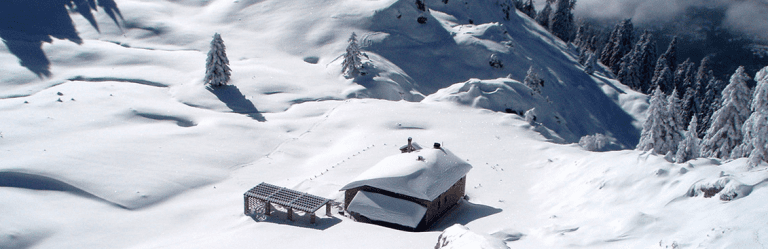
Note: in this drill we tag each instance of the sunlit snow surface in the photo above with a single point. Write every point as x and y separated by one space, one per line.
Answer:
123 147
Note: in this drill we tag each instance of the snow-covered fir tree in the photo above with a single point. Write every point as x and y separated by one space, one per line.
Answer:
591 63
711 101
544 15
668 58
352 63
702 77
629 74
217 70
656 134
725 131
605 54
689 148
755 143
421 6
529 9
581 37
689 106
533 81
665 80
677 125
621 45
645 54
562 24
684 75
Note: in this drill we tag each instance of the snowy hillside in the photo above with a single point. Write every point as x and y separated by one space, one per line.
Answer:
122 146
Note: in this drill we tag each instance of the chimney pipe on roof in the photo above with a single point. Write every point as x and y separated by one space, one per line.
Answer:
437 146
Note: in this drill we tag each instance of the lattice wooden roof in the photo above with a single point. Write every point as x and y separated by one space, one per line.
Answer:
287 197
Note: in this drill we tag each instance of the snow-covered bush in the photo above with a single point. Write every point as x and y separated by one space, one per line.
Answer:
533 81
495 61
597 142
217 70
530 116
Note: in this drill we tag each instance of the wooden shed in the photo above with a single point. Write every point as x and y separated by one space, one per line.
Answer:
408 191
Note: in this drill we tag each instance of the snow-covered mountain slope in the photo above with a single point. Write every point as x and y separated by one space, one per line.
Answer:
123 147
287 52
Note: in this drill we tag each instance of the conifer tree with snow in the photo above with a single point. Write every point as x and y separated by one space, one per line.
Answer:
621 45
544 15
711 101
529 9
591 63
675 111
689 106
689 148
605 55
217 70
755 143
533 81
629 74
668 58
656 134
645 54
352 63
684 75
562 21
725 131
702 77
580 39
664 80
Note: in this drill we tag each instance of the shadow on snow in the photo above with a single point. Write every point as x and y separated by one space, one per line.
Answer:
236 101
27 24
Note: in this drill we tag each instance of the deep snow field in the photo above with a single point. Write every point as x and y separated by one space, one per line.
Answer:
124 147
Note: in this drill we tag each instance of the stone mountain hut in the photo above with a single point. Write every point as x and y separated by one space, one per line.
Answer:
408 191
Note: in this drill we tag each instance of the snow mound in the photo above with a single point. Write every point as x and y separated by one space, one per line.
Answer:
424 174
460 237
504 95
726 188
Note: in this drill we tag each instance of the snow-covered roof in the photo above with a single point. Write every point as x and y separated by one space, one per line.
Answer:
384 208
409 175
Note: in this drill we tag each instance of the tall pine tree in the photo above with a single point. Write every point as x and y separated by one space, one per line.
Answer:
646 57
689 148
352 63
217 70
755 144
725 132
545 15
529 9
664 80
562 21
657 129
605 54
676 123
621 45
684 75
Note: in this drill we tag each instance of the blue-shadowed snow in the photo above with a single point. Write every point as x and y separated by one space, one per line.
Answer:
384 208
424 174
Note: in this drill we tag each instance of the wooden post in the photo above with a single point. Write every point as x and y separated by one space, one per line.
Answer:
312 218
267 208
328 210
290 213
245 204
